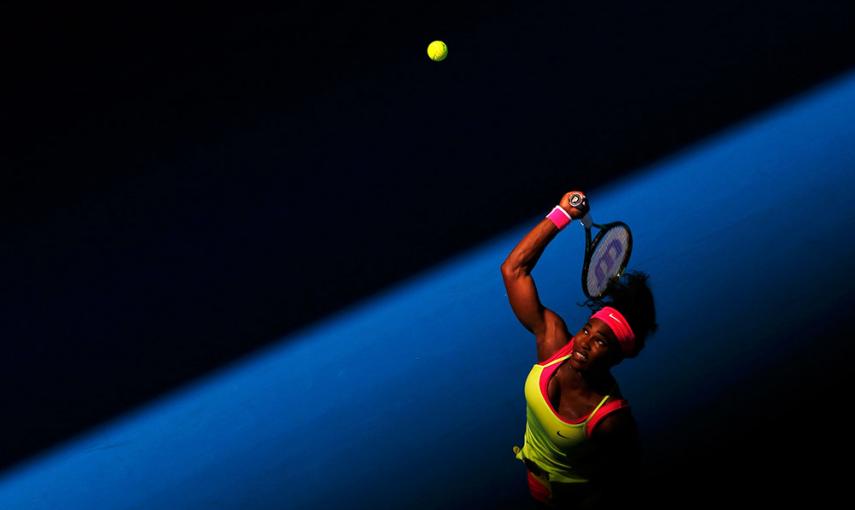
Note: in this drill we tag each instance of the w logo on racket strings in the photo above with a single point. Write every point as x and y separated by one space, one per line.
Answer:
603 270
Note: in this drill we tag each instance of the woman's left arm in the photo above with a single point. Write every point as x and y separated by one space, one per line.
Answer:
619 451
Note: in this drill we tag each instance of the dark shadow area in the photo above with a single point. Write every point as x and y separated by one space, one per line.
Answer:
774 438
183 187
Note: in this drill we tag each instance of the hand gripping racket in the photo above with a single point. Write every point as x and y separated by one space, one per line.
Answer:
606 256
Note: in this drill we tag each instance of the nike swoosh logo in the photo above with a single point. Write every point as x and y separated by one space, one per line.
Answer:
565 437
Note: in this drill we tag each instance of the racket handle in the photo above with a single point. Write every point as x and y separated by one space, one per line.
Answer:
576 200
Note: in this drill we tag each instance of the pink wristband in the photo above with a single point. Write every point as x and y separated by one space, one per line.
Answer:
559 217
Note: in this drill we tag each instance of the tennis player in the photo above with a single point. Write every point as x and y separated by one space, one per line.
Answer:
581 446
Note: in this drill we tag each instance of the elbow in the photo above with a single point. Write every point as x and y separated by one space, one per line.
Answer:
507 267
510 269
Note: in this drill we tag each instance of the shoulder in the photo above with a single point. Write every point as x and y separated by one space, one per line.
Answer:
618 425
553 337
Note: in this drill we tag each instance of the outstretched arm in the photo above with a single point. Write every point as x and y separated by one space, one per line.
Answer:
549 329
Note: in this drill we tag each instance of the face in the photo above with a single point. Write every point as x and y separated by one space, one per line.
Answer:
595 347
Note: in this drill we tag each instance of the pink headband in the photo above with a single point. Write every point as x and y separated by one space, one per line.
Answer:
619 326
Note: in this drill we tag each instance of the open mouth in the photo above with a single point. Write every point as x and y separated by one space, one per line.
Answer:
580 356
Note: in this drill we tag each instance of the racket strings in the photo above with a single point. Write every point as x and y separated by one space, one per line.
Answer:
608 259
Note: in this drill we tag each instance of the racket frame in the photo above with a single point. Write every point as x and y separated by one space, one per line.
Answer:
590 247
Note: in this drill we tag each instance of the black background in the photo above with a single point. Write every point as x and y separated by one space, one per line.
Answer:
182 186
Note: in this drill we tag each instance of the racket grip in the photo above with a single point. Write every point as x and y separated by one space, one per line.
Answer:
576 199
586 220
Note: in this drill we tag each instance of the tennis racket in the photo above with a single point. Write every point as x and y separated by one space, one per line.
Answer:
607 255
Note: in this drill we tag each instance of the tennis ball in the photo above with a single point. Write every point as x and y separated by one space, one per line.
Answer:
437 51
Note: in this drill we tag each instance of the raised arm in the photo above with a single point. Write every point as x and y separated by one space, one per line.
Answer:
549 329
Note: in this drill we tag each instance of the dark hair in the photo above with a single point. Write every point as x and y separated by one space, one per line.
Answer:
632 297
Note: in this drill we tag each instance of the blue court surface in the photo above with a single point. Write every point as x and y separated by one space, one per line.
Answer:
414 397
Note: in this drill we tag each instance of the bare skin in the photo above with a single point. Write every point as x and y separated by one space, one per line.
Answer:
585 378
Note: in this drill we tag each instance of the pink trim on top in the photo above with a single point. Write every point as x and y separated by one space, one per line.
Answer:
605 410
546 375
557 354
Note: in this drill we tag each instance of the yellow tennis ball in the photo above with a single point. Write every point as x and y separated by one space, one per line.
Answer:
437 51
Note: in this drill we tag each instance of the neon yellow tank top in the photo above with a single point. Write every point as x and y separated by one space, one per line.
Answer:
559 447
